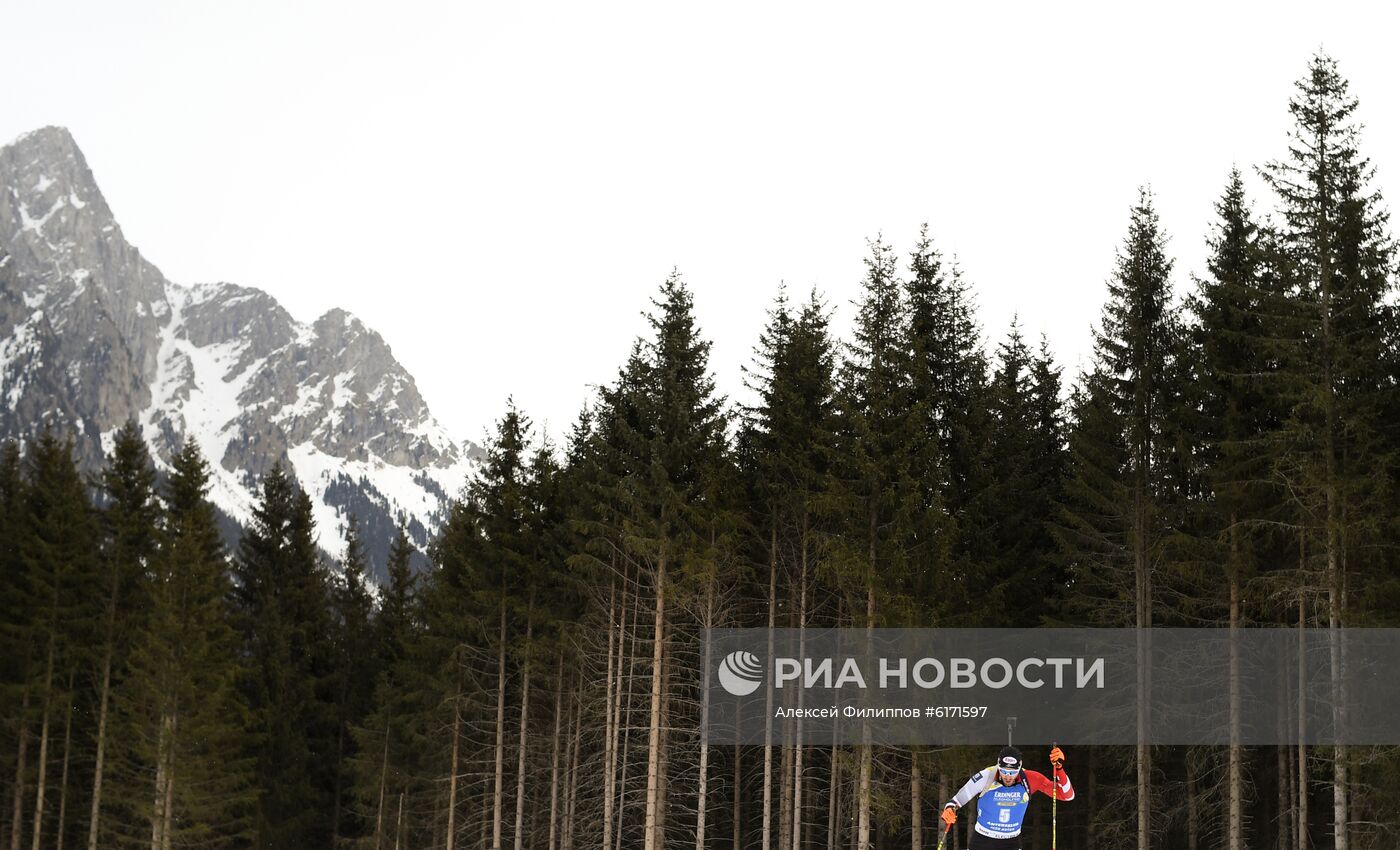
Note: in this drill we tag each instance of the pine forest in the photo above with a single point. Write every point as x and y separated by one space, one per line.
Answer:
1228 458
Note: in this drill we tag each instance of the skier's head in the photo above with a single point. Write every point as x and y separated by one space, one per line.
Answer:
1009 765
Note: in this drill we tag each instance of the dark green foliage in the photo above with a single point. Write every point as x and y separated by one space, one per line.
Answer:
878 438
397 618
13 654
131 527
1123 497
1217 462
948 392
1024 459
184 724
661 431
353 677
282 598
1235 391
787 442
1338 355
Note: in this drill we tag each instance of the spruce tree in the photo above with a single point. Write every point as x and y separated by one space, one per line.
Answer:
674 445
1341 364
884 517
16 651
1019 572
188 770
948 392
386 740
476 610
787 445
355 671
131 524
1122 496
1236 413
282 598
60 564
396 618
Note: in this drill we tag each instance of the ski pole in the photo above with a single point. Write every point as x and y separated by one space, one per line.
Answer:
944 835
1054 798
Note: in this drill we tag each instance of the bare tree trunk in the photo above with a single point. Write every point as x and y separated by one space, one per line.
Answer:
43 752
797 753
834 808
863 791
610 719
17 824
161 820
785 792
866 754
398 823
1302 722
651 837
95 817
383 785
572 805
1285 808
1142 758
621 700
1236 824
524 727
158 803
168 831
855 811
63 774
833 803
701 804
1193 826
738 796
626 736
558 717
797 785
663 773
452 772
1339 710
767 836
1333 530
498 794
1285 777
916 813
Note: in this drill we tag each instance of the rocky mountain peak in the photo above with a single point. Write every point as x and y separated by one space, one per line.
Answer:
93 335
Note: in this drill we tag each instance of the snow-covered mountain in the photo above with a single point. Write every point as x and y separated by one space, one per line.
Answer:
92 335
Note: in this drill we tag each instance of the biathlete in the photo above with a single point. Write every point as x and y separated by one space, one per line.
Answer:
1003 793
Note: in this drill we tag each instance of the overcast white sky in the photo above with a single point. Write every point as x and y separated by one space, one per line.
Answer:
499 188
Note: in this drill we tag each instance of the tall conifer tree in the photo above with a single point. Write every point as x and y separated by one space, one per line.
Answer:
1123 491
131 524
188 768
282 596
1341 365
